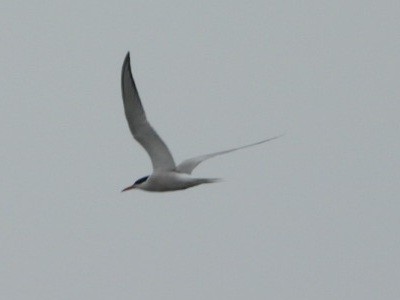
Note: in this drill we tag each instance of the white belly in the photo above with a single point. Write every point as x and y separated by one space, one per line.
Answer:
172 181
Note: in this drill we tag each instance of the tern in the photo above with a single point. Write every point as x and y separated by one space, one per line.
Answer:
166 176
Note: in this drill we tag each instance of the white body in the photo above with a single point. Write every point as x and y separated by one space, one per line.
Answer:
166 175
172 181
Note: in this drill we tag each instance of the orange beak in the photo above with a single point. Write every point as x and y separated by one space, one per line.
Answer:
128 188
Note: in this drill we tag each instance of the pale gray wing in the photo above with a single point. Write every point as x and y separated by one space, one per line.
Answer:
142 131
188 165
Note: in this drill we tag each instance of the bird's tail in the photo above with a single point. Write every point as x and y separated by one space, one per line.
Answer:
209 180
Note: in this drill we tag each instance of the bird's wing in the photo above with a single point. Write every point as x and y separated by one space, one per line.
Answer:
188 165
142 131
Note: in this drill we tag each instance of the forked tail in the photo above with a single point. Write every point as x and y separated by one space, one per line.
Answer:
209 180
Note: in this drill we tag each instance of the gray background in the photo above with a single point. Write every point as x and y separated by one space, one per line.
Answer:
314 215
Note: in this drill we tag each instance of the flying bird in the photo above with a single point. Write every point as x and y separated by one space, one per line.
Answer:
166 175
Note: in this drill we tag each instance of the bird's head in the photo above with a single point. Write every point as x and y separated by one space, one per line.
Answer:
137 185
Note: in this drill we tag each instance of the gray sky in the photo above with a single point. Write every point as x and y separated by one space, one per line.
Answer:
314 215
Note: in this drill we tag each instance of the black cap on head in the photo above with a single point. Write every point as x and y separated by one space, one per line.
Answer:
141 180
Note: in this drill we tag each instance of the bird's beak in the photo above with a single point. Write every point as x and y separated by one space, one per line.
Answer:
128 188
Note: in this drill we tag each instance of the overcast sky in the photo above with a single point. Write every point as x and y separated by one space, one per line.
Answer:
313 215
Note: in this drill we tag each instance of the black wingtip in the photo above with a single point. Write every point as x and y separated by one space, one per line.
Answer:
127 58
126 66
